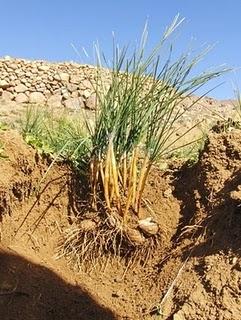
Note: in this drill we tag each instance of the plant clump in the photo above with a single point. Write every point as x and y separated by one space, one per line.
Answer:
134 126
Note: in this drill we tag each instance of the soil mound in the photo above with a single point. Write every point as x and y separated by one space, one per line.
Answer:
193 272
209 233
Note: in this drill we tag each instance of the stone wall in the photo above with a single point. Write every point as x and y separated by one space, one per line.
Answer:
55 84
70 85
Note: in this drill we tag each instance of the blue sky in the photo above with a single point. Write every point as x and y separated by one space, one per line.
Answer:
45 29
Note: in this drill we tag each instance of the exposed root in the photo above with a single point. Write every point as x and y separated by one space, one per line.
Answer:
88 243
85 246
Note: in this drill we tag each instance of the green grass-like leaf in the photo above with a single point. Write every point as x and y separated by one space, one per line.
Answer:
137 116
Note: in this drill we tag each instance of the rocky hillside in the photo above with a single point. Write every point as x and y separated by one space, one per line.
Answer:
70 85
61 84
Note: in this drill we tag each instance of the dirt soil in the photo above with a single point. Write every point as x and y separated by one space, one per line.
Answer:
194 272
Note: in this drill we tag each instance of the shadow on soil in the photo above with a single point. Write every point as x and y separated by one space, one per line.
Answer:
29 291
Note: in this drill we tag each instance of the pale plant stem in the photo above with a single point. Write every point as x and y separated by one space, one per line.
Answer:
120 178
115 176
124 172
130 188
95 181
102 173
141 183
107 178
112 193
134 177
91 175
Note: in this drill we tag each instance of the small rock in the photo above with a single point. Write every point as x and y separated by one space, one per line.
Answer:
35 70
10 89
167 193
28 74
234 260
24 80
65 93
36 97
4 84
21 98
148 226
91 102
74 103
236 194
7 96
75 94
55 100
87 84
71 87
13 66
64 76
20 88
75 79
47 93
12 77
56 77
43 68
40 89
86 93
28 84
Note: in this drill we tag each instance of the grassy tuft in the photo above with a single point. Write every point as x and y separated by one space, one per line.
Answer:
136 123
138 117
55 135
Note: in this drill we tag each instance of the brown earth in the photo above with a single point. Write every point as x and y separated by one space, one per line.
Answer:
194 271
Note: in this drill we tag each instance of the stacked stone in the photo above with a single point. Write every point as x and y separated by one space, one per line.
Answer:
72 86
55 84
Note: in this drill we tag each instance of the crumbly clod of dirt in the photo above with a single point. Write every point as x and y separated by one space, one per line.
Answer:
193 271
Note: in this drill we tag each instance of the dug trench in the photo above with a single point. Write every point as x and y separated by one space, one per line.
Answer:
192 272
